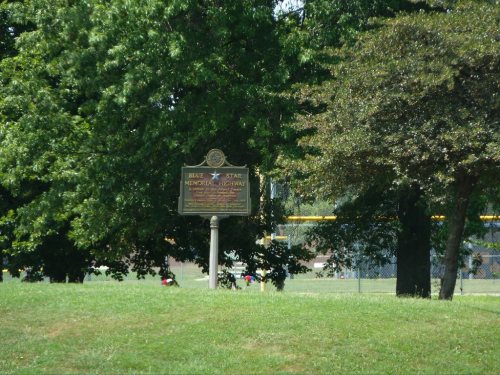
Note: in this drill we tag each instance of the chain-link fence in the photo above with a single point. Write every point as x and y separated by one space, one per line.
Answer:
480 274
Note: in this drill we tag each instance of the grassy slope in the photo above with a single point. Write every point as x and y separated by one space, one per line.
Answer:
142 327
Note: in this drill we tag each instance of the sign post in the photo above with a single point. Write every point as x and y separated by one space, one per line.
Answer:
214 253
214 189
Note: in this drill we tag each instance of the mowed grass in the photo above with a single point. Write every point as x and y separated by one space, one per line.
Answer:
141 327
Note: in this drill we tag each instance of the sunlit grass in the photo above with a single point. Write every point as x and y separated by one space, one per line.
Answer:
190 276
145 328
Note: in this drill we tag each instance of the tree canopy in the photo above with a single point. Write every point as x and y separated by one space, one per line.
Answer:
102 104
414 103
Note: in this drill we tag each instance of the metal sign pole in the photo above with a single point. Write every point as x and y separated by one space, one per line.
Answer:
214 253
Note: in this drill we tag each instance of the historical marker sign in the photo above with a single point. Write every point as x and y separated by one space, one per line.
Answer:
214 188
218 189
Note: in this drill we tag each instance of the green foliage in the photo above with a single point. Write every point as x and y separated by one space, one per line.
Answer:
489 245
365 227
412 99
280 261
227 280
306 31
412 103
103 103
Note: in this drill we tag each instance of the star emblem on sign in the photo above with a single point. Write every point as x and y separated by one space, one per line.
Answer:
215 176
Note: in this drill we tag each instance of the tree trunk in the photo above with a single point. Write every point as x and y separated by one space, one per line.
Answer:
456 222
413 252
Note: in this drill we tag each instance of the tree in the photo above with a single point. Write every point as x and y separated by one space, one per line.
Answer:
330 24
105 101
9 31
376 225
414 107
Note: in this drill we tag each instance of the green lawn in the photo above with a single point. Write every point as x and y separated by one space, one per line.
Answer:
191 277
141 327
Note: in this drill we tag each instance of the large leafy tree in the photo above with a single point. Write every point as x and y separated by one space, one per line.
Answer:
308 33
332 24
9 31
413 108
105 101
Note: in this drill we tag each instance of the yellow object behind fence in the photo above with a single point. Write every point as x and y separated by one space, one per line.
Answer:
332 217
